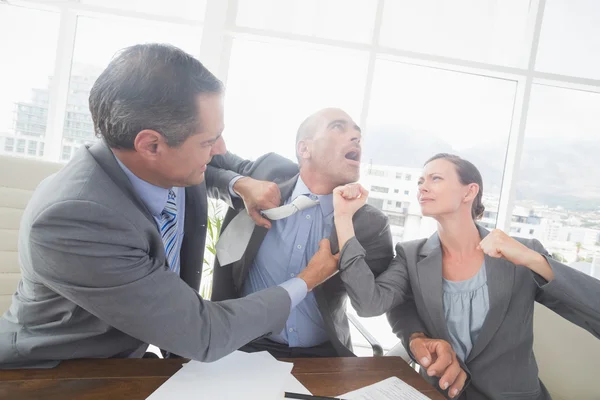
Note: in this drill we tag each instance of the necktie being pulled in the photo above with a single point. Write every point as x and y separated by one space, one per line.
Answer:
234 240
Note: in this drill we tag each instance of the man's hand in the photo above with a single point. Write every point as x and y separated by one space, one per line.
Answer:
257 196
321 267
440 360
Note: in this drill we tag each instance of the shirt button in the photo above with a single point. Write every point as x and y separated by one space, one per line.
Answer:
299 246
291 330
308 216
292 274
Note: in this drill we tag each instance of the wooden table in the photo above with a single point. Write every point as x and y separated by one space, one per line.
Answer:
137 378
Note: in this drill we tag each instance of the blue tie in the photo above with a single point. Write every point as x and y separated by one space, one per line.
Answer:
168 232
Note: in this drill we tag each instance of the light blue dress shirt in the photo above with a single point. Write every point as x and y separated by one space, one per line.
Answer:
155 198
466 304
286 250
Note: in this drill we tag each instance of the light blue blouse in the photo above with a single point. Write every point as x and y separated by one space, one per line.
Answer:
466 304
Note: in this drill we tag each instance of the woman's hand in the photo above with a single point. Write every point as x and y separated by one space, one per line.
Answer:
348 199
499 245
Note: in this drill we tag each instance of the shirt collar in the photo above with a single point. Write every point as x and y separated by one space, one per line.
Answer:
154 197
325 200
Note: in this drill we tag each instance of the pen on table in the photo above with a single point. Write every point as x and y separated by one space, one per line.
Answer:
289 395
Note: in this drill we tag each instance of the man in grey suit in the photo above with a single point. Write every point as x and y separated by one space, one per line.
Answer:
328 145
111 247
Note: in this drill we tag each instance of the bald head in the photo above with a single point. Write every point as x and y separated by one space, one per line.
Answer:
318 121
328 149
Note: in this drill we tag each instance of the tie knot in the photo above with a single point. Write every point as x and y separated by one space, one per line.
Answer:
171 205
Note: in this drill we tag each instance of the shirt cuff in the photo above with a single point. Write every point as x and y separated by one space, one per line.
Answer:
540 281
231 183
297 289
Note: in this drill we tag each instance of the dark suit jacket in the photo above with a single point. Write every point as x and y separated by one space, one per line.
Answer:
372 231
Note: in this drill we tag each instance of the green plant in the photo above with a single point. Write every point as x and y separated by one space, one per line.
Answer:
559 257
216 213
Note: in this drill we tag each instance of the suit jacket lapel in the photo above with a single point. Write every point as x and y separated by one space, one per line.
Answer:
429 273
192 248
500 282
194 237
106 159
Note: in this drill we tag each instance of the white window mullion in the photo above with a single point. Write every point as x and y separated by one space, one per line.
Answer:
517 135
59 87
371 68
215 47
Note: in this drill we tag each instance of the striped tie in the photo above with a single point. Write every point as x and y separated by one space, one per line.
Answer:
168 232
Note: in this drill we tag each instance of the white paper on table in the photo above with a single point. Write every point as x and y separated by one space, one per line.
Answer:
391 388
237 376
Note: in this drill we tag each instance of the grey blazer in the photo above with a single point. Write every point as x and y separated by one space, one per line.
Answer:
373 233
95 281
501 364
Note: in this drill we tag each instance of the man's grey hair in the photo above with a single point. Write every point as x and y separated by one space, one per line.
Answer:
150 86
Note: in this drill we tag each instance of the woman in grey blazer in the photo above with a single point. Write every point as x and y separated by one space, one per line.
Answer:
473 288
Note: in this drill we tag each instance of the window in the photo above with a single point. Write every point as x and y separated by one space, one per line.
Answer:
480 30
330 19
376 172
9 145
570 38
92 52
399 204
32 148
21 146
558 183
406 192
462 104
379 189
377 203
23 74
396 190
66 153
190 9
389 202
296 80
395 219
41 149
398 175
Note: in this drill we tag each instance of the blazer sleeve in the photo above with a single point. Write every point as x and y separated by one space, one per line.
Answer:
371 296
101 261
219 174
223 168
572 294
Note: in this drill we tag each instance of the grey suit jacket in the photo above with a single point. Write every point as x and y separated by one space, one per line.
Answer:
501 364
95 281
373 232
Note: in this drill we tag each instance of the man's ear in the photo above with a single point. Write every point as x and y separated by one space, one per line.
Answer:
146 143
302 150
